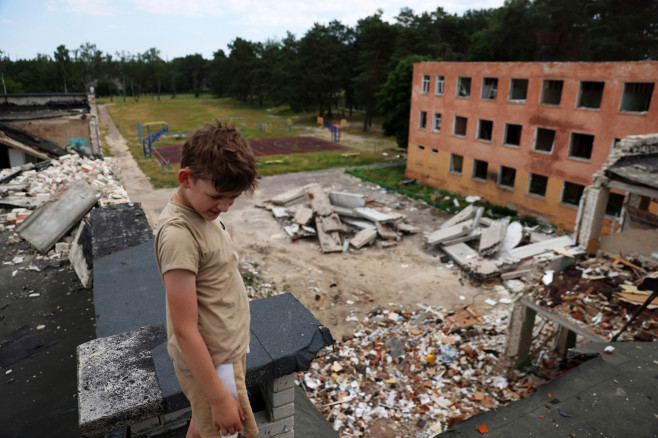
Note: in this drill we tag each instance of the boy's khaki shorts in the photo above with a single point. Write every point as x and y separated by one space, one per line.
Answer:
201 407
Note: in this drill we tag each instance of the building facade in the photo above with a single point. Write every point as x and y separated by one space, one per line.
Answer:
528 136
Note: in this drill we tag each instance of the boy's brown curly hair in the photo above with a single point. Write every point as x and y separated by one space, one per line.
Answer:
221 155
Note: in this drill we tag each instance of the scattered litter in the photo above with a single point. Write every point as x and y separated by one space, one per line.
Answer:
609 349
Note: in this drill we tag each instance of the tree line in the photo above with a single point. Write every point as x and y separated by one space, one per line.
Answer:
338 68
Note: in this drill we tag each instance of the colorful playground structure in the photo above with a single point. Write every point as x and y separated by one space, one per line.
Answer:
334 128
148 140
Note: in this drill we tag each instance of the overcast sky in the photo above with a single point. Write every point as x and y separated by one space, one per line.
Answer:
178 27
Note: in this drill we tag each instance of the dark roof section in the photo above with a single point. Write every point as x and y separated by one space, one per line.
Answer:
636 169
39 106
37 143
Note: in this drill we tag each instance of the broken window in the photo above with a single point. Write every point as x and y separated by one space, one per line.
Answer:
551 92
480 169
571 193
489 88
437 122
463 86
581 146
544 140
537 185
422 123
518 90
512 134
421 148
456 162
591 93
440 80
506 177
485 130
426 84
615 202
460 126
636 96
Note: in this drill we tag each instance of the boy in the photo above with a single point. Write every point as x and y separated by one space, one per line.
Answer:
207 307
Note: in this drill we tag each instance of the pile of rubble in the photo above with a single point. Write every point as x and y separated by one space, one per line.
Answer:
339 220
424 370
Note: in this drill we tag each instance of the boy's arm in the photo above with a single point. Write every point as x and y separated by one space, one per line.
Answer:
180 284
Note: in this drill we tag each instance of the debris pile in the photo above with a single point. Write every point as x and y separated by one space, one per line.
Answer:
339 220
423 370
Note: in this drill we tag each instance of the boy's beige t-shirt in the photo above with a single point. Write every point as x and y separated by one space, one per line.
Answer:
185 240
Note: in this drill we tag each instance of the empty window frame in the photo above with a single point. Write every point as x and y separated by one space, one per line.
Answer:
489 88
485 130
571 193
614 205
463 86
537 185
422 122
518 90
551 92
636 97
506 177
425 84
440 81
436 126
591 94
581 146
459 127
544 140
480 170
456 163
513 134
421 148
434 151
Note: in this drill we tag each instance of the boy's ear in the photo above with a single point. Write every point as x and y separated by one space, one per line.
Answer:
184 176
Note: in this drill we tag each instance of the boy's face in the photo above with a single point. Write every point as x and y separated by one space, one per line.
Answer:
203 197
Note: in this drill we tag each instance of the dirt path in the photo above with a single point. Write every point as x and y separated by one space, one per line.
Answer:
338 288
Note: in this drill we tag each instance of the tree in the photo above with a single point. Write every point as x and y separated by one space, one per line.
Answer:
395 99
4 61
63 60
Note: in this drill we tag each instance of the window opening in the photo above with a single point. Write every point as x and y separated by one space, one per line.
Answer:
421 148
437 122
426 84
636 96
506 177
480 169
463 86
537 185
551 93
615 202
545 140
440 80
485 130
571 193
435 151
513 134
489 88
591 93
456 163
581 145
460 126
518 90
422 124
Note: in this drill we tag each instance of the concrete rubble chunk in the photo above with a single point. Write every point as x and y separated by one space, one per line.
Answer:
386 231
290 197
406 228
468 259
345 212
319 200
329 242
361 224
303 216
493 236
331 223
444 234
81 254
372 215
464 215
513 236
296 231
348 200
534 249
363 238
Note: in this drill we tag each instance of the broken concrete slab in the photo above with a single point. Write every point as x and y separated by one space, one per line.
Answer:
345 212
303 216
406 228
533 249
331 223
444 234
468 259
372 215
290 197
118 226
348 200
296 231
329 242
386 231
513 236
464 215
493 236
279 212
48 224
81 254
319 200
363 238
361 224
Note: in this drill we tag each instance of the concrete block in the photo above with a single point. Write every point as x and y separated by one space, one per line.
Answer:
373 215
282 412
363 237
283 428
282 383
349 200
445 234
276 399
303 216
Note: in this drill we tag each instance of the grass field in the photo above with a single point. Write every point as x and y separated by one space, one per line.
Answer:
186 113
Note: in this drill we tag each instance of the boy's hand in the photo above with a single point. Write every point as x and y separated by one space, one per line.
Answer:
227 415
